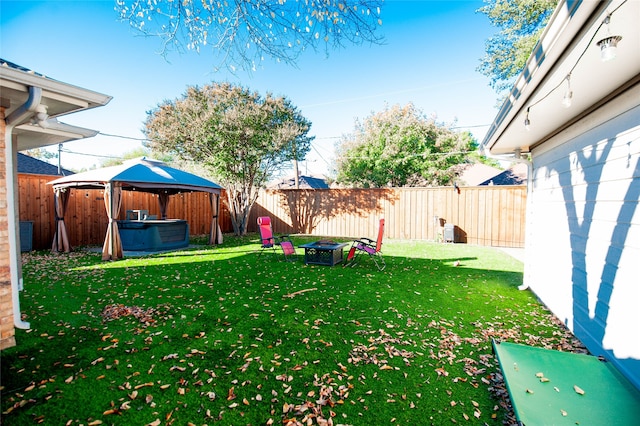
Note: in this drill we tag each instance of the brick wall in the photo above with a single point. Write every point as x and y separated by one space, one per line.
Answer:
7 332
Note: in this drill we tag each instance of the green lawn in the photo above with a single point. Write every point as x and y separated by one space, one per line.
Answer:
221 336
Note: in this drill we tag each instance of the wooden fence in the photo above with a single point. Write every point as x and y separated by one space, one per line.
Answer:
487 215
491 215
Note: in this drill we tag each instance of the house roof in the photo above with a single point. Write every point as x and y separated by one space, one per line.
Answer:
568 47
477 173
140 174
516 175
26 94
305 182
28 164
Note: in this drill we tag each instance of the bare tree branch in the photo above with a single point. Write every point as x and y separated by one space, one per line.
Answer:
242 33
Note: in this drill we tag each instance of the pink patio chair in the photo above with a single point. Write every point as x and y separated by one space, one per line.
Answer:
268 240
370 247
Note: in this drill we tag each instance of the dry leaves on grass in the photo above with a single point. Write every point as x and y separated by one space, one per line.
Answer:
118 310
380 348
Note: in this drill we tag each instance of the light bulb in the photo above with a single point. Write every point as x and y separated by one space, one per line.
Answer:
566 100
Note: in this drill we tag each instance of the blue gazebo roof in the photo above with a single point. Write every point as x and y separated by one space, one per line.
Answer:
142 174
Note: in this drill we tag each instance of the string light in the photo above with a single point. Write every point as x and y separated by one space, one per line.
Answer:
607 46
568 95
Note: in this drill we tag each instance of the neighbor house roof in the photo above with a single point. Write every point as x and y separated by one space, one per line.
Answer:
568 53
516 175
28 164
475 174
305 182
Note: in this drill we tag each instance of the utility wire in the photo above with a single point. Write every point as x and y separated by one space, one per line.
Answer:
124 137
90 155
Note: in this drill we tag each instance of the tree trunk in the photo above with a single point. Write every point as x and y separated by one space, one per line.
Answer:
239 205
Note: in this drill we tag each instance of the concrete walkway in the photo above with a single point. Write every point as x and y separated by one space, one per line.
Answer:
516 253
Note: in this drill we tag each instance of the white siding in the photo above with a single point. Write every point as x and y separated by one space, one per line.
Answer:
584 248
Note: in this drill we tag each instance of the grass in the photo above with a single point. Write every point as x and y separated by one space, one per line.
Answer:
222 336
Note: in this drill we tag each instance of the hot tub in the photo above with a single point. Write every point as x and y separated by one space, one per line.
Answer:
153 235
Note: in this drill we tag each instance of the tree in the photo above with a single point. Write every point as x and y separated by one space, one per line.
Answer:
239 135
129 155
244 32
521 23
41 154
400 146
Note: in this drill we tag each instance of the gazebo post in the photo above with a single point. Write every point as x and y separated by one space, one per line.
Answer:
112 248
60 237
214 201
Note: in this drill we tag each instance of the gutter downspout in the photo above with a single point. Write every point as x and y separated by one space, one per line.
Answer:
17 117
529 208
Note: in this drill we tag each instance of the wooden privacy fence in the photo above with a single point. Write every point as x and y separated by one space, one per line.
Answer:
486 215
490 215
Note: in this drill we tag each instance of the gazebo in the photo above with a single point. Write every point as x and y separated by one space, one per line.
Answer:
142 174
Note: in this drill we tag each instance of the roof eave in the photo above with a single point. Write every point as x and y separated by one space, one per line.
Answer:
568 20
78 96
32 136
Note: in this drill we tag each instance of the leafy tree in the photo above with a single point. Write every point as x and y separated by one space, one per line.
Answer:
41 154
520 24
239 135
129 155
400 146
244 32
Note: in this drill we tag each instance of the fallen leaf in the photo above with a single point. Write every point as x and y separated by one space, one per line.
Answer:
143 385
442 372
231 394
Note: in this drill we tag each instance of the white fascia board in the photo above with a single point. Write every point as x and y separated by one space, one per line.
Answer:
568 20
33 136
83 98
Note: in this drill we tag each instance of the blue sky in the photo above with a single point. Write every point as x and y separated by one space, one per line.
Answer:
430 56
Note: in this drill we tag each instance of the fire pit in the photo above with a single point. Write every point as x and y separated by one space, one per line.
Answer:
323 252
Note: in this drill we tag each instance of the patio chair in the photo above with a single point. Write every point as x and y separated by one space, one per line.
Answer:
369 247
270 241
